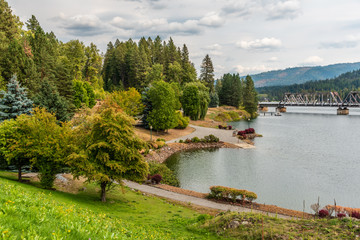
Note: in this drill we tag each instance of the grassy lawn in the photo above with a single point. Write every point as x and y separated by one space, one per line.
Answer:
27 212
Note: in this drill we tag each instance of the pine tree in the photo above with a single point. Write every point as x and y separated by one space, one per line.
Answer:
207 73
14 101
250 97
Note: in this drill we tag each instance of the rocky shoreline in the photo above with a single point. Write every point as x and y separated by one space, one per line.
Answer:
165 152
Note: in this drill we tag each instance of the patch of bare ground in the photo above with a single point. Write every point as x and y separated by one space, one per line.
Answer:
144 134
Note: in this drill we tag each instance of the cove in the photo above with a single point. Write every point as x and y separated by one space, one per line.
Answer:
304 154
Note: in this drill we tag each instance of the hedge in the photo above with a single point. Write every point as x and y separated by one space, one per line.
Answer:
220 192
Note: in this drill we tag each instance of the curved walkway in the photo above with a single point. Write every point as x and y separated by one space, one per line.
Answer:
223 135
194 200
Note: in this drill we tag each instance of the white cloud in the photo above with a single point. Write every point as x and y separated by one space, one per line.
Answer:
350 41
266 44
283 9
273 59
251 70
238 8
214 46
212 19
313 60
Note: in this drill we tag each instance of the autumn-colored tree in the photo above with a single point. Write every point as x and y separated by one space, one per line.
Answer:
108 150
129 101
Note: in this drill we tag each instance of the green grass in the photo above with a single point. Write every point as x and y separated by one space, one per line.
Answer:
27 212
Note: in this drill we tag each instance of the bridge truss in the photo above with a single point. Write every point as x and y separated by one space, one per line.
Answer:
330 99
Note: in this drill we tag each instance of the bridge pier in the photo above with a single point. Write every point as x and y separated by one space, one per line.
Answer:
281 109
342 111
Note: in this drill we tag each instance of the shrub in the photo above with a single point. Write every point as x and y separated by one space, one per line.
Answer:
229 127
220 192
160 144
182 122
160 139
323 213
221 127
222 117
355 214
188 140
250 131
156 179
234 116
195 140
210 139
341 215
181 141
168 176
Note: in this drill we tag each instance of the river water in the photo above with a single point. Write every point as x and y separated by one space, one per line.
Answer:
304 154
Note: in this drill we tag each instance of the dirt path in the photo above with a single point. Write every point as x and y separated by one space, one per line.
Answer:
194 200
223 135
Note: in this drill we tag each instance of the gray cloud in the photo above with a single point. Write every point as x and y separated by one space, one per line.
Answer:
238 8
287 9
82 25
341 44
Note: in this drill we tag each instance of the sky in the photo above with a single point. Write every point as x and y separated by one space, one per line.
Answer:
240 36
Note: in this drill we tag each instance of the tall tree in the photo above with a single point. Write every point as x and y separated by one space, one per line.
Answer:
195 100
250 97
109 150
162 97
14 101
231 91
207 73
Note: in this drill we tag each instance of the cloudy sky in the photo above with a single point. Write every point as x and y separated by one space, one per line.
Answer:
244 36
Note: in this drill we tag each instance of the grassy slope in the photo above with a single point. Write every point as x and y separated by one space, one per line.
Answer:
32 213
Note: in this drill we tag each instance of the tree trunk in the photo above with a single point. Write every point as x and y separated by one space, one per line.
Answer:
103 191
19 174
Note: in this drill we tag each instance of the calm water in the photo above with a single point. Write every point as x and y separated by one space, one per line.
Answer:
304 154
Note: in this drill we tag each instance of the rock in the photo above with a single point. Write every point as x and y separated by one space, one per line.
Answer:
245 223
234 224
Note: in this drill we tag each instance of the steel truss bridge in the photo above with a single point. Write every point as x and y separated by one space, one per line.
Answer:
330 99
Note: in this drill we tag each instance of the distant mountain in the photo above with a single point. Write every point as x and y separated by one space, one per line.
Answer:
300 75
342 84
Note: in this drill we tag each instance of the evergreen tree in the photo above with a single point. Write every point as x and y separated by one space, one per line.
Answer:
14 102
50 99
214 100
207 73
250 97
231 91
195 100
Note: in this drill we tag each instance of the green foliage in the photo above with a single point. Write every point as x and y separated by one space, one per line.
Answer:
50 99
163 101
195 140
129 101
214 100
223 117
168 176
250 97
195 100
84 94
9 135
207 73
183 122
234 116
14 102
108 150
231 90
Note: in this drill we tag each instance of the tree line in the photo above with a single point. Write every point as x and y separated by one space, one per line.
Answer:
342 84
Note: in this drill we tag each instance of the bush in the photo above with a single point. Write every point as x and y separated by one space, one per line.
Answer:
156 179
323 213
195 140
222 117
250 131
234 116
229 127
211 138
182 122
168 176
181 141
341 215
220 192
188 140
160 139
355 215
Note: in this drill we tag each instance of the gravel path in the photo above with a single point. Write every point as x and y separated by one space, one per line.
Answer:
223 135
194 200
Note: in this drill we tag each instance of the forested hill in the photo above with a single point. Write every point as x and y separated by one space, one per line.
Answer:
300 75
342 84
